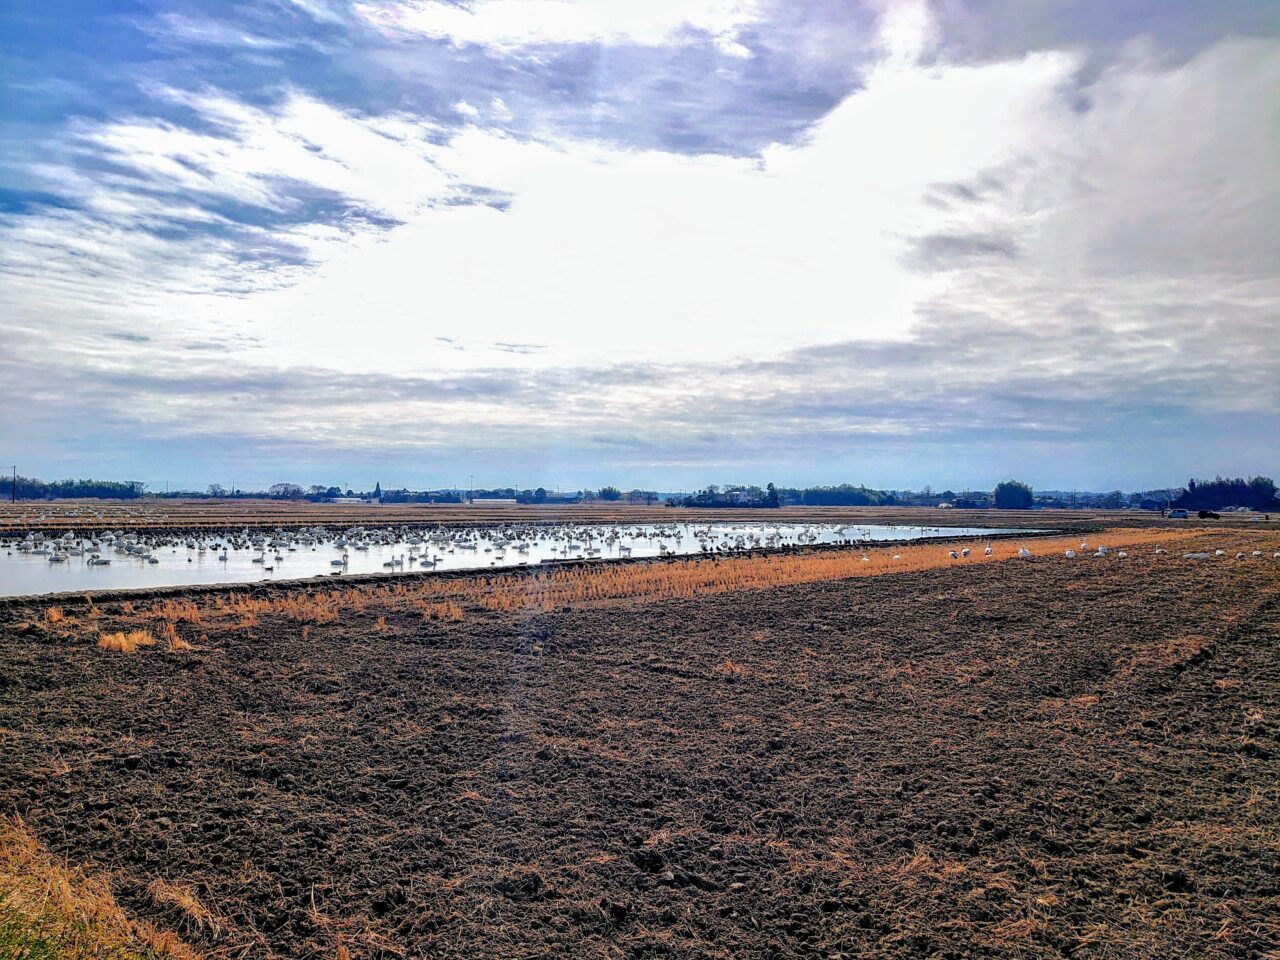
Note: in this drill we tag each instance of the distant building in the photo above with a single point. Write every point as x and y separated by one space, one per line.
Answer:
921 501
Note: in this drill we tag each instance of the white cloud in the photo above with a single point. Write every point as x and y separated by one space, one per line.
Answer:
379 162
1005 243
202 30
705 257
320 10
512 24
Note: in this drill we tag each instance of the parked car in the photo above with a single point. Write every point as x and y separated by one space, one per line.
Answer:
1178 514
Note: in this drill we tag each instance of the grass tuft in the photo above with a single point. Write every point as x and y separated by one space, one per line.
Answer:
52 911
126 642
182 897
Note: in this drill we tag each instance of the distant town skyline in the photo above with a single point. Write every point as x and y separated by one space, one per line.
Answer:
600 241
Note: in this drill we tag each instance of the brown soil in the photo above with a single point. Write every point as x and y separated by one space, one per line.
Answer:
1017 759
219 515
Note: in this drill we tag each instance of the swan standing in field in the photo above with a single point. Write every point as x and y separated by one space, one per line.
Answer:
965 552
987 552
1024 553
1070 554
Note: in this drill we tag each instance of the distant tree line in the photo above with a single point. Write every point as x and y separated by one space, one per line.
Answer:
840 495
28 488
1256 493
1013 495
732 496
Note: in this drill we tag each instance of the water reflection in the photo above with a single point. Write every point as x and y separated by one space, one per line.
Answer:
118 560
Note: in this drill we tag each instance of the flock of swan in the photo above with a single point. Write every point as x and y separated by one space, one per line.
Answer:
470 546
1102 551
361 549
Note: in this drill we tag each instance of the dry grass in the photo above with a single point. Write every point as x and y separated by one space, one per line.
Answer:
54 615
731 669
51 910
447 599
441 611
1186 649
123 642
701 577
182 897
173 641
176 611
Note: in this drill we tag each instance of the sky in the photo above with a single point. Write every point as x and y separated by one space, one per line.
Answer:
655 243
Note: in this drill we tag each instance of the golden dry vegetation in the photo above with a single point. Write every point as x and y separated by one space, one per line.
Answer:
448 599
126 641
50 910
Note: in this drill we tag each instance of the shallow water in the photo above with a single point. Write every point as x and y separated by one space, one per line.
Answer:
24 573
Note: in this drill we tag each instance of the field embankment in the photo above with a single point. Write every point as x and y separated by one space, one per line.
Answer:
192 517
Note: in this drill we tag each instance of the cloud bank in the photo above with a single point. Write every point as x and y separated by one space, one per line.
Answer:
944 262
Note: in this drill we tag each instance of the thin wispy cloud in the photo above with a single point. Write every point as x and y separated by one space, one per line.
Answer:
518 24
980 251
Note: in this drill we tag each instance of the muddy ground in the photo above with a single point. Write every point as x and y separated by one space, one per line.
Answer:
204 517
1028 759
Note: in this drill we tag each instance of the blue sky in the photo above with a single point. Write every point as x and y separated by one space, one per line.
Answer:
659 244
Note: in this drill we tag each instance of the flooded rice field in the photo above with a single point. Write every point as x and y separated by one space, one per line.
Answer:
113 560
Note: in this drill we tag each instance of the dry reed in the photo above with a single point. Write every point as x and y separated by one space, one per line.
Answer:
446 599
48 908
123 642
